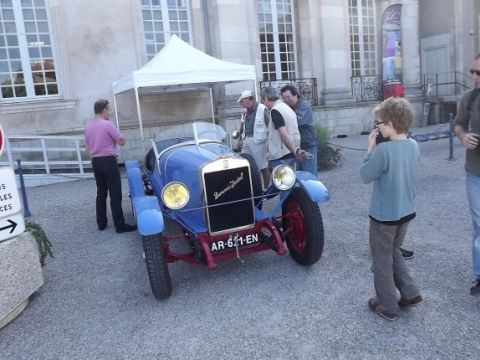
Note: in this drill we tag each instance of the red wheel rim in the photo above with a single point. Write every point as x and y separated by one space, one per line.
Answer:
295 230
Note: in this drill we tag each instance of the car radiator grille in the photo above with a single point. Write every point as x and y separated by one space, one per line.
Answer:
224 187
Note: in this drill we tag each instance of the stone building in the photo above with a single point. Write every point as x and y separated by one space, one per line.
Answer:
57 56
449 40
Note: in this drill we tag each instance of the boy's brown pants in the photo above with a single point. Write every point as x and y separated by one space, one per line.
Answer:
389 270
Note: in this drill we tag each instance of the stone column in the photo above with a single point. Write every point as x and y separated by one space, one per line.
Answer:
464 31
309 42
335 53
234 36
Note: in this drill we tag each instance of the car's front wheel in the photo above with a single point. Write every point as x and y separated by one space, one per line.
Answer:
302 227
157 266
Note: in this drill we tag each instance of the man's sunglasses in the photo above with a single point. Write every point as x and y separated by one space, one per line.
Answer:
476 72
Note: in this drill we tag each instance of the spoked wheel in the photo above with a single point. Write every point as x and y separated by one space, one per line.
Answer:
157 266
302 228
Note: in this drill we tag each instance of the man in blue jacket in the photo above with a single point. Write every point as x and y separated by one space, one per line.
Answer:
306 126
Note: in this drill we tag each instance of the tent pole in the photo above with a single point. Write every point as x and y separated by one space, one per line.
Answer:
139 113
115 108
211 104
256 89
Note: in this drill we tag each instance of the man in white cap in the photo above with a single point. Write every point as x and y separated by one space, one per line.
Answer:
254 132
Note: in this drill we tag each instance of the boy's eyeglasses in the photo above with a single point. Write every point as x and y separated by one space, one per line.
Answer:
378 123
476 72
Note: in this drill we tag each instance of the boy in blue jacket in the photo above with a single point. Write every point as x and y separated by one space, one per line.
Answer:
392 167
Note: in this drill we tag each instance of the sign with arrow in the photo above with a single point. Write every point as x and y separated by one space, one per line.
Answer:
11 218
11 226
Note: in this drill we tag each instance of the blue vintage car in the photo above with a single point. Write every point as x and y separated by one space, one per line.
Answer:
215 197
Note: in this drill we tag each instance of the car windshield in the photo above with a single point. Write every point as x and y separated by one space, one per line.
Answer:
197 131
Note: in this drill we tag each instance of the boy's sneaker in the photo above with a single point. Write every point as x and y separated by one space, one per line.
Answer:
417 300
407 254
475 289
375 307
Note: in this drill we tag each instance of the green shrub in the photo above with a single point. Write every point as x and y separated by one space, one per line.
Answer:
44 245
328 155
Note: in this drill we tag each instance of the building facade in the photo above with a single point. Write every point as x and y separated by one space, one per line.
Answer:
57 57
449 40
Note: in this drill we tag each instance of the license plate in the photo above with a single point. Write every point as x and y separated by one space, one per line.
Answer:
229 243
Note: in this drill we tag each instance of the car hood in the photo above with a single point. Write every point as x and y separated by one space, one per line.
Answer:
183 163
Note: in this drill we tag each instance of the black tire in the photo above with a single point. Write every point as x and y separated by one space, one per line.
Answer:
157 266
256 178
303 228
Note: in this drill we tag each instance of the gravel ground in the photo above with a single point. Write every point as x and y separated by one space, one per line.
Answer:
96 301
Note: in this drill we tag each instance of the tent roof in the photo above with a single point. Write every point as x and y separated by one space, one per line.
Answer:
179 63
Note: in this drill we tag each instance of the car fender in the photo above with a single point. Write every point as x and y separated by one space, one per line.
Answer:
135 182
314 188
147 210
148 214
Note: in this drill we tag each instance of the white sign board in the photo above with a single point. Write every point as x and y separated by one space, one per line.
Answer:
9 199
11 220
11 226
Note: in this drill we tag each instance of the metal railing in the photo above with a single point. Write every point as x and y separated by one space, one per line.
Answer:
46 154
307 87
367 88
450 83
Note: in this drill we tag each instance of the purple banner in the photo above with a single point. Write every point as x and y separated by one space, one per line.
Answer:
392 44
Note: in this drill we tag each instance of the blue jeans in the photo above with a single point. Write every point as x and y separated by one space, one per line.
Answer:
473 194
309 165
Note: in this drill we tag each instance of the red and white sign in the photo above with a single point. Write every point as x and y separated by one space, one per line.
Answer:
2 140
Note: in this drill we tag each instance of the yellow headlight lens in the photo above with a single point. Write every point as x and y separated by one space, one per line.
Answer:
283 177
175 195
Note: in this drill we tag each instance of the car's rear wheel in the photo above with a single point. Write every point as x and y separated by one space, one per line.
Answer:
302 227
256 179
157 266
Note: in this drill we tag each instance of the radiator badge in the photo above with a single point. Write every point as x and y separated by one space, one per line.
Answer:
230 186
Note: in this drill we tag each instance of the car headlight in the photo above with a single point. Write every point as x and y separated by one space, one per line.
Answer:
175 195
283 177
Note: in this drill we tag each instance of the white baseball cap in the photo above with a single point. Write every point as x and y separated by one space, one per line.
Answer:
245 94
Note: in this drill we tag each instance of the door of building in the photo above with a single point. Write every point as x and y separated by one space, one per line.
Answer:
436 69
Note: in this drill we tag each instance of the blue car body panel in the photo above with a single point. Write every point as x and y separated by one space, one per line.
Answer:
147 210
134 176
314 188
182 164
149 216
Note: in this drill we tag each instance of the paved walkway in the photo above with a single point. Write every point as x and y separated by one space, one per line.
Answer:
96 302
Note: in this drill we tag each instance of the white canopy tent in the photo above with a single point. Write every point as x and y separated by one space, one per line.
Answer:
176 65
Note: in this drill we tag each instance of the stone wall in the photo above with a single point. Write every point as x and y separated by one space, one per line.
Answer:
20 275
